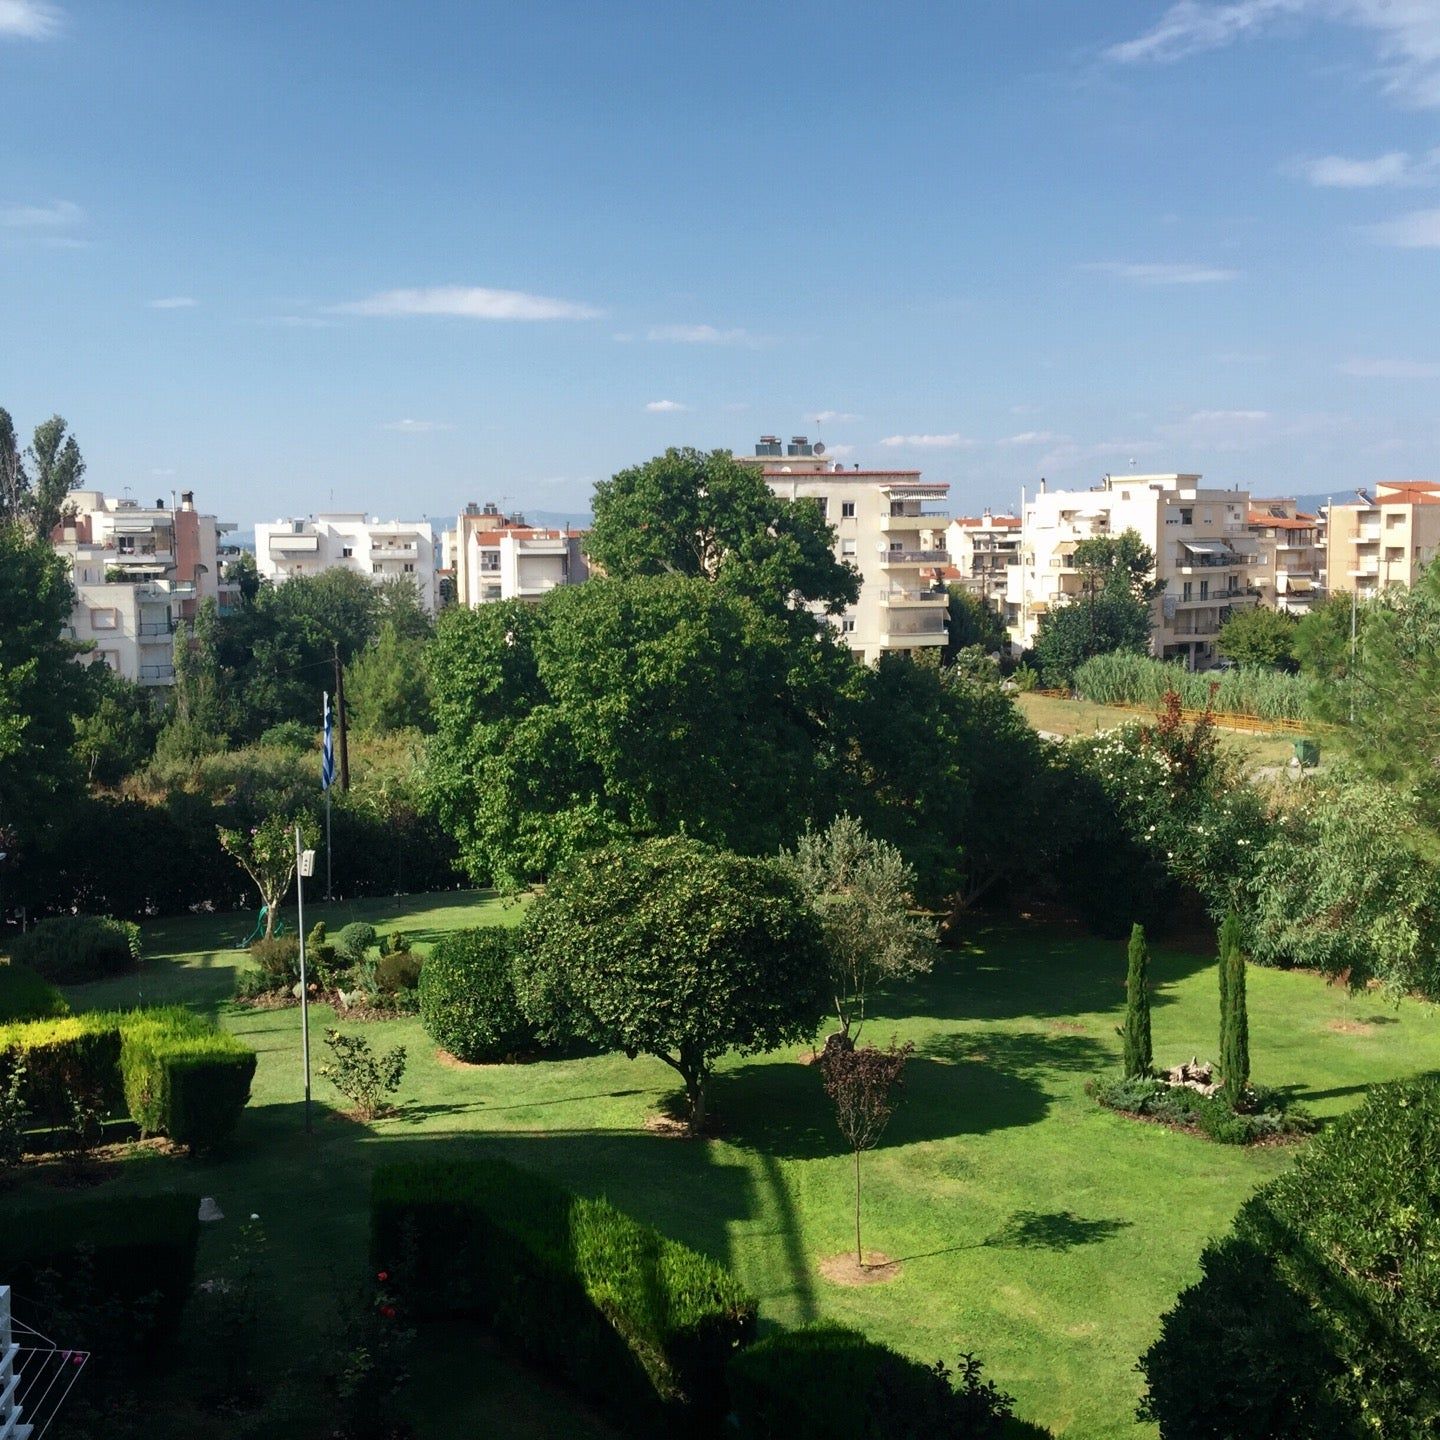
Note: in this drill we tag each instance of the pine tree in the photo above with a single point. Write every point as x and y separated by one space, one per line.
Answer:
1136 1034
1234 1020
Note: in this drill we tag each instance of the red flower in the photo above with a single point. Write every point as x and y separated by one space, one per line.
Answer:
388 1311
383 1276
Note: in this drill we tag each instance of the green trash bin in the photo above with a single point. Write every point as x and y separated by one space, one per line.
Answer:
1307 752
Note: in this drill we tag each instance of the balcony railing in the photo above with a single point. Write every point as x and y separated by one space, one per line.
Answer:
916 557
155 627
918 625
394 552
157 674
912 598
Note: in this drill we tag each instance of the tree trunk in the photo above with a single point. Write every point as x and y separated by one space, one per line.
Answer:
859 1253
269 921
695 1090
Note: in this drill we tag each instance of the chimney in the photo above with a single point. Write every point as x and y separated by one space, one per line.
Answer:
187 499
1042 484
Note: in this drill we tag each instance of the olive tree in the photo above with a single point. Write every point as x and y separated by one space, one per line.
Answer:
670 948
862 892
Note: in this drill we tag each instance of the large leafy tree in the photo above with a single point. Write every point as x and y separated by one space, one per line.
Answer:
862 890
33 486
638 707
1259 636
1112 611
673 949
42 690
689 512
388 688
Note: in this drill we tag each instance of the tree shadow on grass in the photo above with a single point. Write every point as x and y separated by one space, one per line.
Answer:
1052 1230
1021 1052
1008 971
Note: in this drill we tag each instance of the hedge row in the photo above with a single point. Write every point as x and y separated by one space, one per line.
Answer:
1319 1315
24 995
75 948
828 1382
139 1252
183 1077
631 1319
175 1073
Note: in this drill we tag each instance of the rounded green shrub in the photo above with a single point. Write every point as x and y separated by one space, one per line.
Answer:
354 940
70 949
398 971
467 995
278 959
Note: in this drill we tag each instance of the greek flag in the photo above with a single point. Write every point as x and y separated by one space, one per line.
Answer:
327 755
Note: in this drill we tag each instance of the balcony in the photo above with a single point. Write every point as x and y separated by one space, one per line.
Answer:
154 629
911 522
915 627
394 552
897 599
157 674
915 557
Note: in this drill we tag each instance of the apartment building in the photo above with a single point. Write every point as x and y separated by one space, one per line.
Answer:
1287 564
982 548
139 572
380 549
1198 535
1373 543
882 530
500 557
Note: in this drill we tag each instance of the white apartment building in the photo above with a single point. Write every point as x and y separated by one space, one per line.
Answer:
139 572
500 557
882 531
1198 535
1287 553
982 549
380 549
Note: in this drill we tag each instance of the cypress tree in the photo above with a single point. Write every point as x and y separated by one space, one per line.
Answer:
1234 1021
1136 1034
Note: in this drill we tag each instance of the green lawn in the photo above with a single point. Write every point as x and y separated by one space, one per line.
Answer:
1035 1228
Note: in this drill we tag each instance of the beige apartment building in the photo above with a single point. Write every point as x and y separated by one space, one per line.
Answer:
139 572
1198 535
1288 559
982 548
1372 544
882 530
500 557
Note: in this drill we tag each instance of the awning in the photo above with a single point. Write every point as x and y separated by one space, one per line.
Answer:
1209 547
1298 585
1066 547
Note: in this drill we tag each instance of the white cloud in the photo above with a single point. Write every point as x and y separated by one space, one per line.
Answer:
1163 274
699 335
29 20
174 302
416 427
835 417
469 302
1035 437
839 452
665 407
1337 172
57 215
1406 35
1391 369
1226 417
952 441
1188 27
1419 230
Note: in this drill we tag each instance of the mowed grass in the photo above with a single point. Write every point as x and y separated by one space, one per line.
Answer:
1034 1228
1058 716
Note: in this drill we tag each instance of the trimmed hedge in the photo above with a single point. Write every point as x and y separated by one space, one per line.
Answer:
828 1382
24 995
75 948
632 1319
183 1077
467 995
354 941
1319 1315
139 1248
73 1055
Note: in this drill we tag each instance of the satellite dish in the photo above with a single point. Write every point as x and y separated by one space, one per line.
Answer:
819 447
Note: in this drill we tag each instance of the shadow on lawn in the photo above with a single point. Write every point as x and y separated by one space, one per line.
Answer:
1001 973
1056 1230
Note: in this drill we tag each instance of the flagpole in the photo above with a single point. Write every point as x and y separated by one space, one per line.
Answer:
327 777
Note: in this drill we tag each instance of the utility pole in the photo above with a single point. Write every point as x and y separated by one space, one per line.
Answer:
304 868
344 721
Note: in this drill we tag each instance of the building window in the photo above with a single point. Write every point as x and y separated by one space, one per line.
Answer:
823 501
896 546
1187 517
847 547
409 568
897 507
1204 589
847 625
1186 594
104 619
347 552
847 509
375 569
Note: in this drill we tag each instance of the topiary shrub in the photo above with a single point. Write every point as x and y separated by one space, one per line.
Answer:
278 959
73 1057
630 1318
184 1077
70 949
1315 1319
354 941
828 1382
467 995
398 971
24 995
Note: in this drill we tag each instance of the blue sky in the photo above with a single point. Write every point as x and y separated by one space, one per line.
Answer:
397 257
